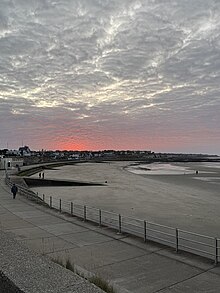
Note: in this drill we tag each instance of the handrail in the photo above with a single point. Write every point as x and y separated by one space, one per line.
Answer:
195 234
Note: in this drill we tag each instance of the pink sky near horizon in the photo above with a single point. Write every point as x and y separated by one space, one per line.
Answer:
164 143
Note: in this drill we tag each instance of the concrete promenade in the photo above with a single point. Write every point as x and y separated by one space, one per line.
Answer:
128 263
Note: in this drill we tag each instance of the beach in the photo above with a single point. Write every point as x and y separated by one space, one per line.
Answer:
184 199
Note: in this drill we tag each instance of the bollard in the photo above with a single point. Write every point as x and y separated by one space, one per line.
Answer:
51 202
119 224
71 208
216 251
100 218
84 217
145 231
60 205
177 240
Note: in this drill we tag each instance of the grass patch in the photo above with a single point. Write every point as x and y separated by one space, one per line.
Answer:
58 261
102 284
96 280
70 266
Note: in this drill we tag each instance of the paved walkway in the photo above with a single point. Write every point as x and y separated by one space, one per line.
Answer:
130 264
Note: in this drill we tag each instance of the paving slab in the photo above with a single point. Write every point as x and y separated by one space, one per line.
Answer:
86 238
29 214
45 220
203 283
8 216
15 224
147 273
10 203
28 233
63 228
2 209
101 254
47 245
138 242
215 270
20 208
189 259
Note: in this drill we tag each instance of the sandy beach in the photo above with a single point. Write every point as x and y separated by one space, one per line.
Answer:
185 200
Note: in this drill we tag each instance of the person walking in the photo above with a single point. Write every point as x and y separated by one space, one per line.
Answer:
14 190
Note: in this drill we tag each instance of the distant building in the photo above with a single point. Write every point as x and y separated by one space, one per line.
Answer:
5 163
74 157
25 151
10 163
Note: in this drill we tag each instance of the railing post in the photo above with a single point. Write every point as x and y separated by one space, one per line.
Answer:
60 205
43 197
145 231
119 224
100 218
84 217
51 202
216 251
177 240
71 208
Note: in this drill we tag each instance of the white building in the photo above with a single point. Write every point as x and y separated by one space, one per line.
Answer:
10 163
5 163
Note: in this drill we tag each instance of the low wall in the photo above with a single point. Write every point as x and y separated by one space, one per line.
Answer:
31 182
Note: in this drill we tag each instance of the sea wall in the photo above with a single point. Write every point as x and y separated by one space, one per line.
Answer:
33 182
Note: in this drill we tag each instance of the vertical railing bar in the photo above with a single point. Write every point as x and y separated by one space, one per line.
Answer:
51 202
119 224
60 205
100 218
145 231
216 251
177 240
43 197
71 208
84 217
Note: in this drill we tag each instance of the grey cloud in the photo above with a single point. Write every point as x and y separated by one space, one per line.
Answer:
122 65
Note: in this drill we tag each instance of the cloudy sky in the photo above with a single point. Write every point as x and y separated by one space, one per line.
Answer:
109 74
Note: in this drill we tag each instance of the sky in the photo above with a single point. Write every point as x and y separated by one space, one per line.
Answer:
109 74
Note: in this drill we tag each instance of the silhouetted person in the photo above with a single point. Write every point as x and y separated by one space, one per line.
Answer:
39 175
43 175
14 190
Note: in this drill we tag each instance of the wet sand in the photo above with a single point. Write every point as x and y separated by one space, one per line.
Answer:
190 201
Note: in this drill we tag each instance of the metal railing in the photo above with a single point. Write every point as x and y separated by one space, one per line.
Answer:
178 239
24 190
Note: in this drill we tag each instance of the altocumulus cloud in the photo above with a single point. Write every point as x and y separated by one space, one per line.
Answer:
101 74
